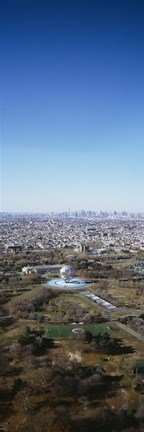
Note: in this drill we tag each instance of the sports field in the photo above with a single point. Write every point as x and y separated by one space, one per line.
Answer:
70 331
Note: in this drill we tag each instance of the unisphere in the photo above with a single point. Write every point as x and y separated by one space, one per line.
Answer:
67 272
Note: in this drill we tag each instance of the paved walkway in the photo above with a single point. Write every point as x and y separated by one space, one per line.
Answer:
129 330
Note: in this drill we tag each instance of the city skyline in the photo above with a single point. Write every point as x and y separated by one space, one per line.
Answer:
72 105
77 212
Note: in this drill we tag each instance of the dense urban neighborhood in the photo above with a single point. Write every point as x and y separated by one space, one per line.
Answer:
43 231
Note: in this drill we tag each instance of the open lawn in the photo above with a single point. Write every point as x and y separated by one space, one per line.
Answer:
70 331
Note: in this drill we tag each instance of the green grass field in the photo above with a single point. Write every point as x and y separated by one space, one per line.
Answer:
69 331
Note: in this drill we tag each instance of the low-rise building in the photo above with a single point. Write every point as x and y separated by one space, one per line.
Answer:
42 269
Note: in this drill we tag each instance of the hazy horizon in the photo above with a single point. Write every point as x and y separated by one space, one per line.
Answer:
72 108
110 212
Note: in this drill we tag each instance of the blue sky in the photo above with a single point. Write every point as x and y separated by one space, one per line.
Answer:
72 105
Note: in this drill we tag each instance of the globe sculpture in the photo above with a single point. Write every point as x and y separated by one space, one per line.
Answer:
67 272
67 279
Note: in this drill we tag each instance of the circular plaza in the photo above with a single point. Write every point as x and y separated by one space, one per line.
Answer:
67 279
